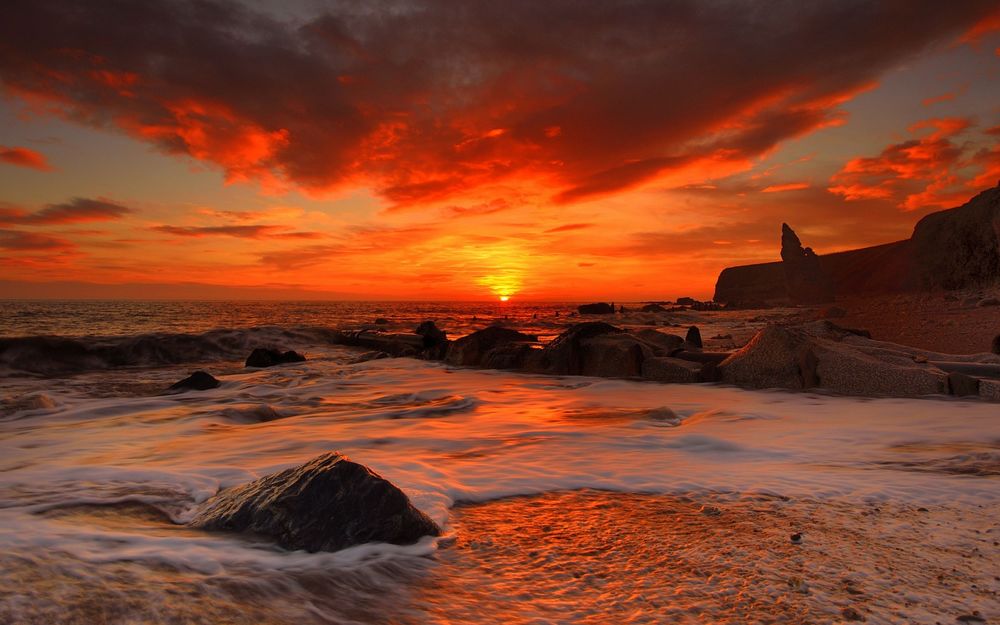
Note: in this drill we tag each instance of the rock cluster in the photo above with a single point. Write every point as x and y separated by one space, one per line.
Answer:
601 308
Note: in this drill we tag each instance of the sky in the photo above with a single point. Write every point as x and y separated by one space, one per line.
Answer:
433 150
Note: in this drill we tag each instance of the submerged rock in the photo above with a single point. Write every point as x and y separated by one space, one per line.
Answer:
267 357
653 308
197 381
327 504
601 308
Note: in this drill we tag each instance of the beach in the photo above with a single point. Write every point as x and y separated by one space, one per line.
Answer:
562 499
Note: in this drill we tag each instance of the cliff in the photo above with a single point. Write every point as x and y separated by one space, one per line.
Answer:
949 249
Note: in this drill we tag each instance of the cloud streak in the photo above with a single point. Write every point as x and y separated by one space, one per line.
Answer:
24 157
78 210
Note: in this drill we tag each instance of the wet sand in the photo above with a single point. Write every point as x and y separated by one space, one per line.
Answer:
581 557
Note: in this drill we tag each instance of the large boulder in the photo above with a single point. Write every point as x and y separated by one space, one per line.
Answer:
667 343
563 355
601 308
479 348
825 356
805 280
327 504
268 357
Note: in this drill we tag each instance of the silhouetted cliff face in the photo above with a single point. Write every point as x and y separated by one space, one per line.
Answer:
950 249
806 281
959 247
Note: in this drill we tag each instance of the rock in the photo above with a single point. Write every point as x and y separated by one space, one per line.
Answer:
327 504
473 350
796 538
381 321
693 338
613 356
805 280
821 354
267 357
832 312
665 342
995 347
596 309
671 370
197 381
961 385
686 301
432 334
653 308
988 301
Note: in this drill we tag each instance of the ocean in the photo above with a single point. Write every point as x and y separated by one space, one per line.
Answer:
564 499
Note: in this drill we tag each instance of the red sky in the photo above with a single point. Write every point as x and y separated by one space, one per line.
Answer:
441 150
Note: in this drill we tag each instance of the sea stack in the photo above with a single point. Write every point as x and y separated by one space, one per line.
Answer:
805 280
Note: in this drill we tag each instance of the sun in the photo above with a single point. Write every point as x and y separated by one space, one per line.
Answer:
504 298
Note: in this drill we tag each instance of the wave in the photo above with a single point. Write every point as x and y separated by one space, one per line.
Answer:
55 355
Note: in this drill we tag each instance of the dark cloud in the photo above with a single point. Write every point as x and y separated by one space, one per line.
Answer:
77 210
428 99
242 232
16 240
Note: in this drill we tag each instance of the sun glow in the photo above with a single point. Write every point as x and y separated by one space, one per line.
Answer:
504 298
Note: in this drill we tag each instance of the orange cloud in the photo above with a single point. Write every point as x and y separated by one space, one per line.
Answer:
23 157
791 186
242 232
931 171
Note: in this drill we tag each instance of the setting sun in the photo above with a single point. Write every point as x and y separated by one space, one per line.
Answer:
504 298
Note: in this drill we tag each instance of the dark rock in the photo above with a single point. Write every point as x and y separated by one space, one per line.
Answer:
995 347
693 338
663 342
473 350
653 308
563 356
432 334
805 280
961 385
851 614
703 306
197 381
686 301
671 370
267 357
381 321
988 301
327 504
796 538
596 309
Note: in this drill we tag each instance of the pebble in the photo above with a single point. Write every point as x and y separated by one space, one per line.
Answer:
851 614
796 538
